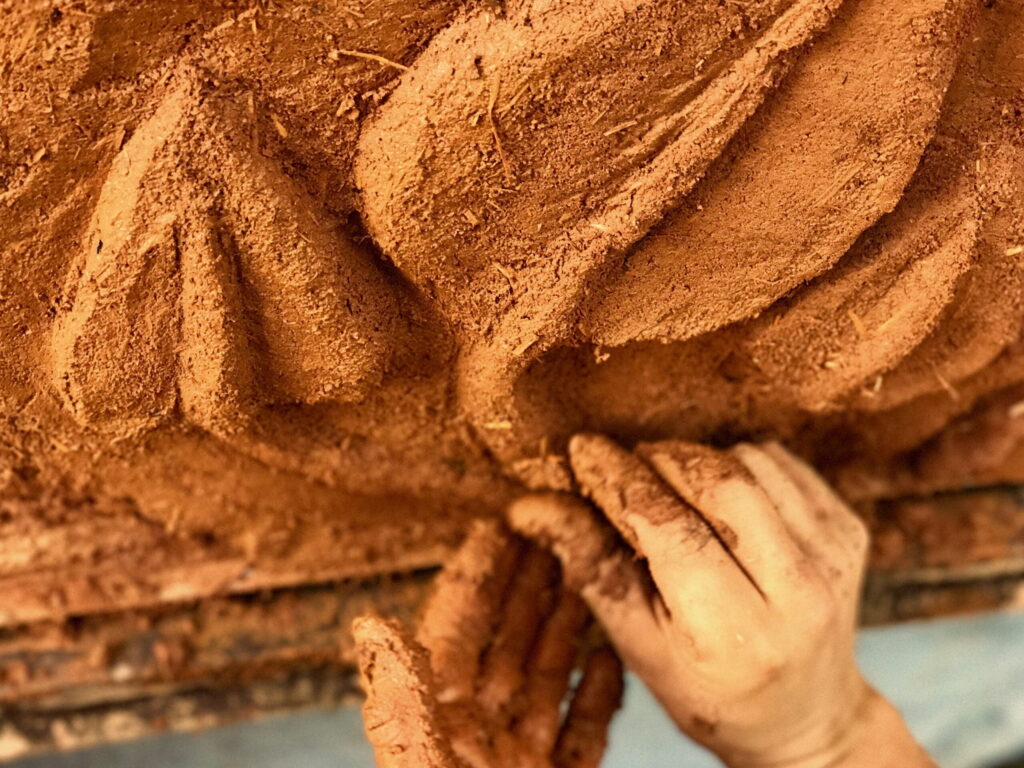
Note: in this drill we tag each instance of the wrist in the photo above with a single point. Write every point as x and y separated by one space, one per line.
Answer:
878 737
870 734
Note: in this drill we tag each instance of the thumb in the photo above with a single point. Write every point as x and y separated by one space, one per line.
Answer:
400 712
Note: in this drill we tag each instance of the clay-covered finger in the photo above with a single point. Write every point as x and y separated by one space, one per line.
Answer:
584 736
744 517
400 713
818 491
529 600
825 519
595 563
549 670
463 610
688 563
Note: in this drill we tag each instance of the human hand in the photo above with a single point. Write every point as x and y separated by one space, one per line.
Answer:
484 682
730 584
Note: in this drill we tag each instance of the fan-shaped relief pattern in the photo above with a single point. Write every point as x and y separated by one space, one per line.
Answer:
932 293
822 161
209 285
506 180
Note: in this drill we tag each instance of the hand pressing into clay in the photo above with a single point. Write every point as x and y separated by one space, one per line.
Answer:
729 582
484 682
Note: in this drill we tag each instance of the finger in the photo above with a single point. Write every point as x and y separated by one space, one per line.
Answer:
463 609
584 736
828 528
400 715
741 513
548 672
834 512
689 565
529 600
616 588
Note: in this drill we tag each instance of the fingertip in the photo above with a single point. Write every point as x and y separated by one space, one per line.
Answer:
750 456
673 460
567 527
582 442
372 631
544 517
487 534
592 456
784 457
376 637
608 674
598 697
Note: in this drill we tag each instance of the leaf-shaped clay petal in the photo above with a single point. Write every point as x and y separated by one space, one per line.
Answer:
830 152
508 211
902 297
865 316
519 151
216 380
987 313
114 349
113 352
217 287
325 311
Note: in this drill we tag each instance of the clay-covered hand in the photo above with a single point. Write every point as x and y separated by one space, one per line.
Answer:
486 681
729 582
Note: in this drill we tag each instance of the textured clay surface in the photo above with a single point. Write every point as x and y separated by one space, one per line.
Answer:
273 267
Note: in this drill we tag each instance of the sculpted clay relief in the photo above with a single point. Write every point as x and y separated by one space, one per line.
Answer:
373 262
209 286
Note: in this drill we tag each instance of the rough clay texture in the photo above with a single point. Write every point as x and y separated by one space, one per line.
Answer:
279 265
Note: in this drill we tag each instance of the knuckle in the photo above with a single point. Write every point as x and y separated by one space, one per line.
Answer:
859 535
769 666
822 621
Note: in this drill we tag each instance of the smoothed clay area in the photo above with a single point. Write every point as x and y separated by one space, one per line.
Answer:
275 267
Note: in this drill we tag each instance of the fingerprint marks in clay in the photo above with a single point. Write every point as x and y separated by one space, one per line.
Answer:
209 286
